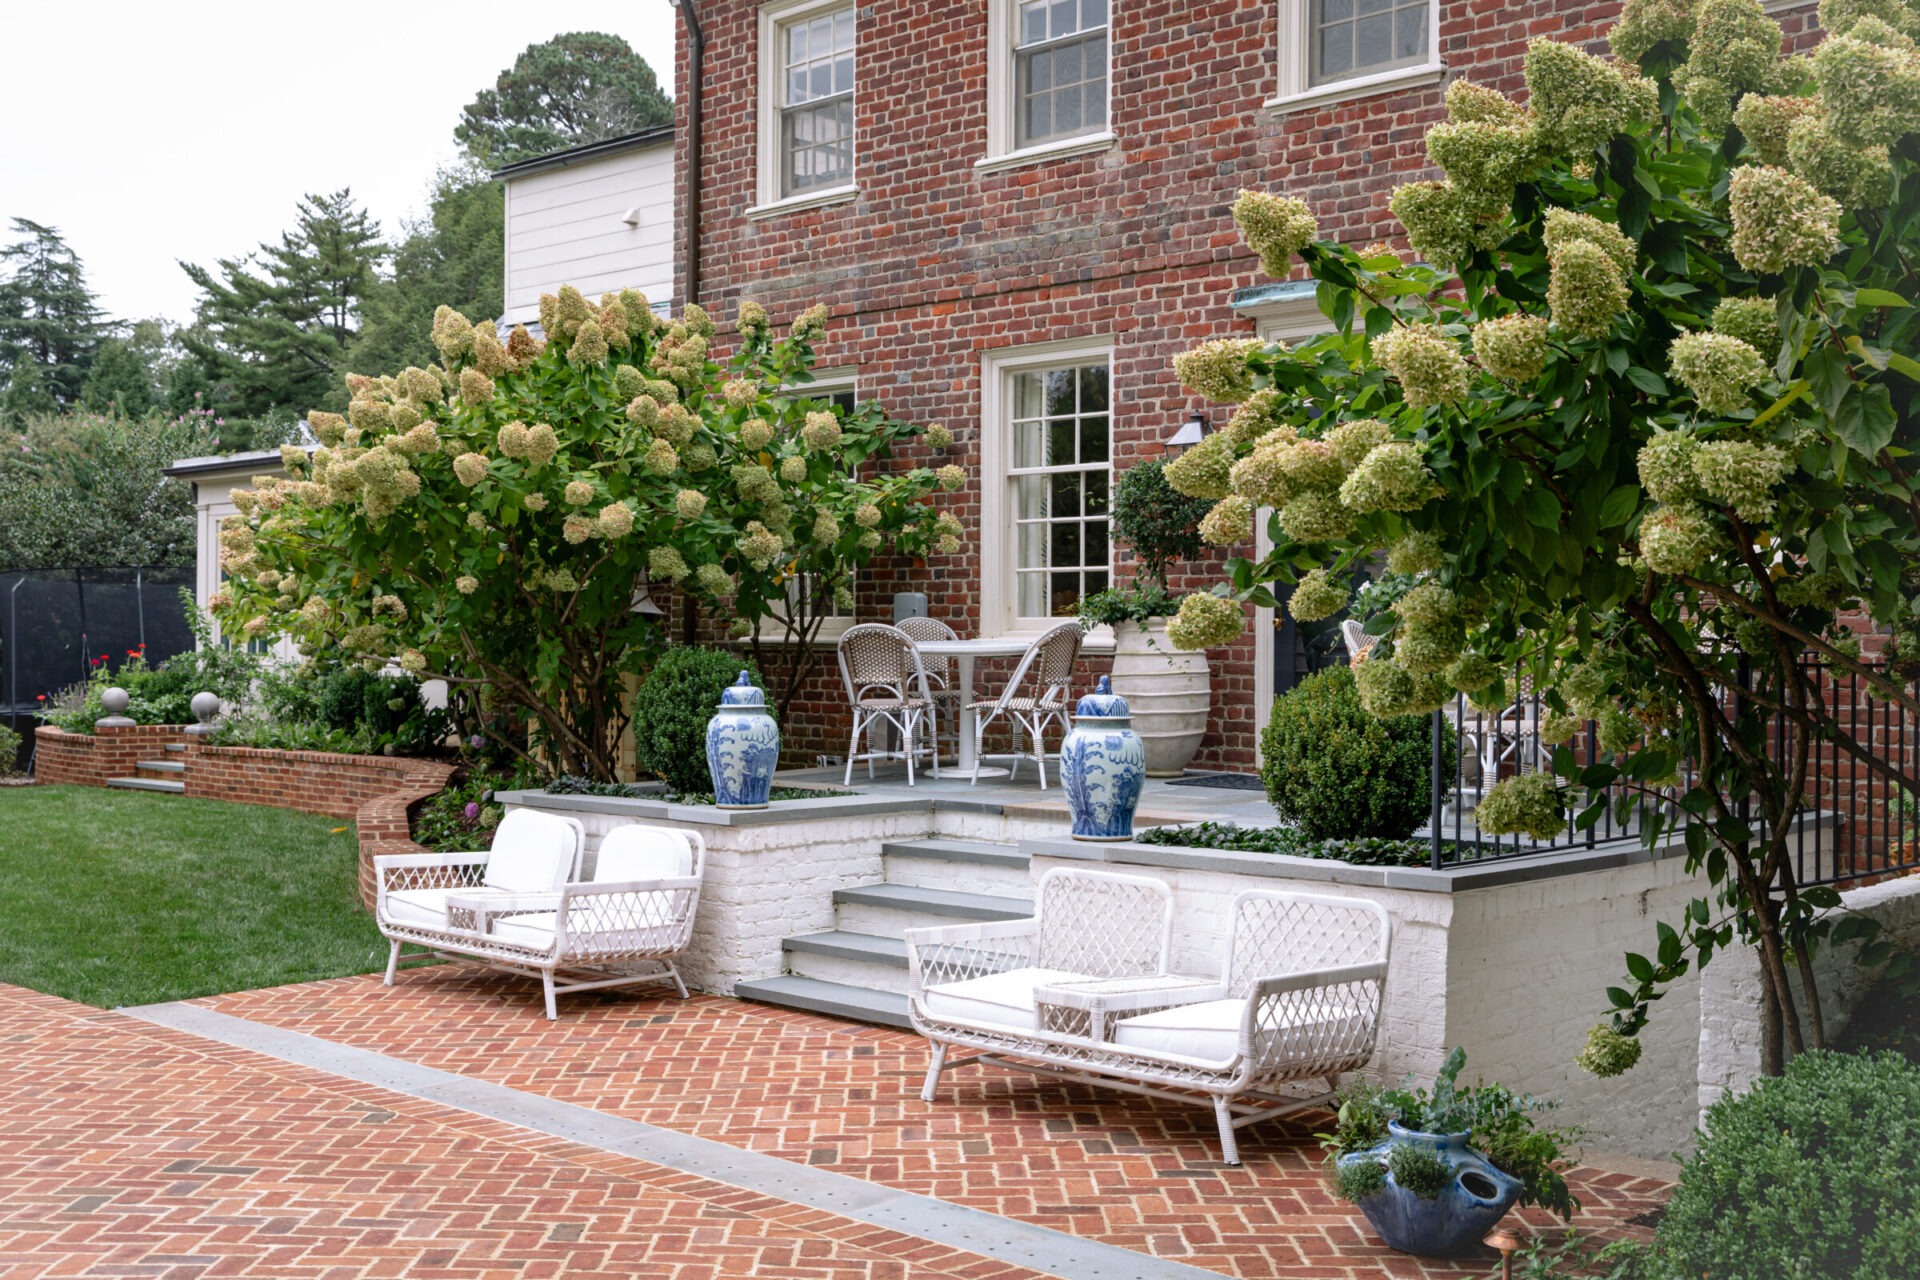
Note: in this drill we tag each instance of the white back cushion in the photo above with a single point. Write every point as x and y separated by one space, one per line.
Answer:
635 852
532 853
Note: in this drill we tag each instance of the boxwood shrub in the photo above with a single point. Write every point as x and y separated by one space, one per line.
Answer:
1342 773
1813 1174
671 710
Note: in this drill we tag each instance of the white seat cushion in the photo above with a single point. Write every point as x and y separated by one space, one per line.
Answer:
419 908
532 853
1001 999
1210 1030
635 852
535 932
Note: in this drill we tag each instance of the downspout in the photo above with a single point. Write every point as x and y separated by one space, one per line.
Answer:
696 66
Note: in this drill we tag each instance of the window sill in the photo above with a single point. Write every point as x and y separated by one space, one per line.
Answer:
1358 87
774 637
1060 150
811 200
1098 640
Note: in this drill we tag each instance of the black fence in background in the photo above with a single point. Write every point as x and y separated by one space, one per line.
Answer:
56 623
1858 823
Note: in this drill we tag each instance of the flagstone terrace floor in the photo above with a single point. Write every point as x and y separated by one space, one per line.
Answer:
129 1148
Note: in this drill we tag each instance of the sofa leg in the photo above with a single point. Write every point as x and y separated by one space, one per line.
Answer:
546 982
393 962
674 971
1229 1147
933 1073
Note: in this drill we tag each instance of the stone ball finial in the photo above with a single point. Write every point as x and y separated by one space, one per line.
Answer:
115 701
206 706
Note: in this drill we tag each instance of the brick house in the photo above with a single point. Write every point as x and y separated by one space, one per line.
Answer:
989 193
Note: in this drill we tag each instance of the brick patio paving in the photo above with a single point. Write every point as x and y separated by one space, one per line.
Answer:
1127 1171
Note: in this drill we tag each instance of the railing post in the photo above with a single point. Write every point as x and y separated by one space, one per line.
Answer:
1433 816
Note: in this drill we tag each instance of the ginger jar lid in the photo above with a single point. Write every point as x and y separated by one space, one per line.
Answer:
1103 704
743 694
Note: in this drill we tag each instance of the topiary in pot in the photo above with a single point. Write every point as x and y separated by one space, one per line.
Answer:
1160 523
1813 1173
671 710
1341 772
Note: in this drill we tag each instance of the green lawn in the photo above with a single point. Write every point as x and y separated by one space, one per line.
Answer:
119 898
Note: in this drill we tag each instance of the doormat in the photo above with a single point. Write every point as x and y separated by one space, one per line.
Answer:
1221 781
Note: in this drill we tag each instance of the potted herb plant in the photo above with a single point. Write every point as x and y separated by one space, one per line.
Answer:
1168 689
1433 1172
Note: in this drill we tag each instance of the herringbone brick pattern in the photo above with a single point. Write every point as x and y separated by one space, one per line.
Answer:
127 1150
1128 1171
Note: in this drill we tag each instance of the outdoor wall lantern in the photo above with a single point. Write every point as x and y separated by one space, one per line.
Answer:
1191 432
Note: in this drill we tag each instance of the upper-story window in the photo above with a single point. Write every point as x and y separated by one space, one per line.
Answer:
1335 49
806 101
1060 70
1361 37
1049 72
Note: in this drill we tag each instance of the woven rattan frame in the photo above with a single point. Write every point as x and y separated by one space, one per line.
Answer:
602 935
939 669
885 684
1312 970
1048 662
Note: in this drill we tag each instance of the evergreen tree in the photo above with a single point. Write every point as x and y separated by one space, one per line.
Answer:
573 89
450 258
26 395
48 316
273 326
119 379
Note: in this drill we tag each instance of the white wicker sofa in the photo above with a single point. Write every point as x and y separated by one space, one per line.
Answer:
1297 1000
518 914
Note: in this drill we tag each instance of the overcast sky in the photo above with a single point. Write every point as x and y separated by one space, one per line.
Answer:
149 133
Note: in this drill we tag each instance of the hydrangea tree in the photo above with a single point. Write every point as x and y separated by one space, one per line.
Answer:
492 520
1640 418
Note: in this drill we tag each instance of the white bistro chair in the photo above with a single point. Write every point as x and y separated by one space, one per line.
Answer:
885 686
1047 670
940 679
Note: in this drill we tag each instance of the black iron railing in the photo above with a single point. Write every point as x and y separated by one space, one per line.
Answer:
1857 821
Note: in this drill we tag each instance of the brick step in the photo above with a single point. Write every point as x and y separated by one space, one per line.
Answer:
972 866
149 784
889 910
161 766
852 959
835 999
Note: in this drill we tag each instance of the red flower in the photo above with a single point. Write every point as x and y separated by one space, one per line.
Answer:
43 697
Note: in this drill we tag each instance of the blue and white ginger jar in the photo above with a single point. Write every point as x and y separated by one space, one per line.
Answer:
1103 765
743 747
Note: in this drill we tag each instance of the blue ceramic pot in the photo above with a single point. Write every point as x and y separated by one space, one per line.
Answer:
743 746
1455 1221
1102 765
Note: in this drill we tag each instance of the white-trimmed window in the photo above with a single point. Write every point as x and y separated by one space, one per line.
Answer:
1049 72
806 103
1336 49
1047 450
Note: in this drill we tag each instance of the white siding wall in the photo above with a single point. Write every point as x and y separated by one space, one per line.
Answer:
564 227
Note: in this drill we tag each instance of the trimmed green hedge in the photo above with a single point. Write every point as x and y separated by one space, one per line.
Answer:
1341 772
671 710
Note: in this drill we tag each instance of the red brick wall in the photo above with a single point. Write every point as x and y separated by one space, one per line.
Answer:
83 760
936 263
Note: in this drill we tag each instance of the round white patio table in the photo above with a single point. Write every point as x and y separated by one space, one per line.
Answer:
964 652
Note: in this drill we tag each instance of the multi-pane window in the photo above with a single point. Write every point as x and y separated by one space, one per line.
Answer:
1348 38
1060 473
816 103
1060 69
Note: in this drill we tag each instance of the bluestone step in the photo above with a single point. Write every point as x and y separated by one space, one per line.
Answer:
162 766
148 784
935 902
176 746
980 852
836 999
891 952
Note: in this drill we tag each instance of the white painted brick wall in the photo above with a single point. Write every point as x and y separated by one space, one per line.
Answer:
1729 1047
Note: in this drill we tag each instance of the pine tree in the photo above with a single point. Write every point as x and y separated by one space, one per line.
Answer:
452 257
119 380
571 90
48 316
273 326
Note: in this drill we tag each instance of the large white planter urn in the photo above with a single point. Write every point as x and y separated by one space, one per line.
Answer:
1168 689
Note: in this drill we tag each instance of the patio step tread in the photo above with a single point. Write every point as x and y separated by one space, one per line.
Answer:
980 852
161 766
938 902
870 947
176 746
836 999
149 784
